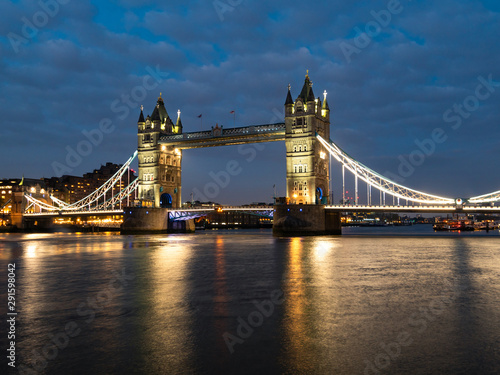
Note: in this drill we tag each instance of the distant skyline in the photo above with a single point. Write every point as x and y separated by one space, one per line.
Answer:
413 86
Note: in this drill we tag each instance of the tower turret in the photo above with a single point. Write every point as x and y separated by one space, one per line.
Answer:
141 123
141 117
325 109
288 103
178 124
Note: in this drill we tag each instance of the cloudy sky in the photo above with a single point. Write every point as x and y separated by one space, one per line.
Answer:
398 74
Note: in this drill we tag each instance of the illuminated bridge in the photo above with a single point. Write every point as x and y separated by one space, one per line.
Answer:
309 149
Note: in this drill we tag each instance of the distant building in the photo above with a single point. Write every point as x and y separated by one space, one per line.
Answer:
11 193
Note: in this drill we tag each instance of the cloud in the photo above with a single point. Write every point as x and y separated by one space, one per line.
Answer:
395 91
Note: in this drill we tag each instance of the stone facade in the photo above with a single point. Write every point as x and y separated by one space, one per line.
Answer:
307 162
159 165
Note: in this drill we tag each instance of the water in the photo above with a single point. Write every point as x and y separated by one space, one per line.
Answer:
400 300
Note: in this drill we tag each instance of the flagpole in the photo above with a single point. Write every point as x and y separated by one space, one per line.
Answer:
234 119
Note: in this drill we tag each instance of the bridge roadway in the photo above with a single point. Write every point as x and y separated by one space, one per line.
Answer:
74 213
421 209
184 214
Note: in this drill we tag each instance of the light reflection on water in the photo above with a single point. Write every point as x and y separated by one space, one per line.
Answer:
345 300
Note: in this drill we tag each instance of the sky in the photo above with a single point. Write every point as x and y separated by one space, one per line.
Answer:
412 86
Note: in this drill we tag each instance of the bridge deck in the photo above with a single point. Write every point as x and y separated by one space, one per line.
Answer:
340 208
226 137
74 213
422 209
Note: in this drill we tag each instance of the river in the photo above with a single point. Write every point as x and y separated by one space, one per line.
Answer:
398 300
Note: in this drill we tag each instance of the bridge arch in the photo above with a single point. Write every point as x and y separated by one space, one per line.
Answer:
165 200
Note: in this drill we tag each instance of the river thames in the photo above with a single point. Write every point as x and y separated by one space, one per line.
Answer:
401 300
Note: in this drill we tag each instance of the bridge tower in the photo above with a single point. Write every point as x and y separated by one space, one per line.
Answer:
307 162
159 165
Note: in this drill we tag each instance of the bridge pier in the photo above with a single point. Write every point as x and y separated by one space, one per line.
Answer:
182 226
147 220
305 220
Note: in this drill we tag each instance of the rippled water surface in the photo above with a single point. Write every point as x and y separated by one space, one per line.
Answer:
375 300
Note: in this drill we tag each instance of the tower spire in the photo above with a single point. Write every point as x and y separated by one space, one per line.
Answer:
325 102
141 116
178 124
307 92
289 99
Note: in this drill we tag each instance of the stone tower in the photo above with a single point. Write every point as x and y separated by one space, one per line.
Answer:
307 162
159 165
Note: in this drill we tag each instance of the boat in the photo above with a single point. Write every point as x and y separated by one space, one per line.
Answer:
454 225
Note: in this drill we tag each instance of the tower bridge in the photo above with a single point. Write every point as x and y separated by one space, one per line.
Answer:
306 209
160 146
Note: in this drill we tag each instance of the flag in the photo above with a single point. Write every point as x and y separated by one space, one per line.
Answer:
199 116
22 181
231 112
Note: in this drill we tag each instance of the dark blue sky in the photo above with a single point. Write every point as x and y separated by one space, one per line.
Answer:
86 63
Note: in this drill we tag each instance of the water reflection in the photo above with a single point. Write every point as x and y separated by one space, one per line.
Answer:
167 333
220 300
346 299
297 304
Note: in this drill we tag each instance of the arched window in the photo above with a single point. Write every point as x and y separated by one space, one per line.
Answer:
298 106
300 168
305 148
294 148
